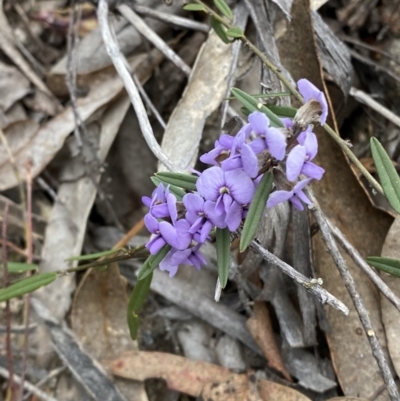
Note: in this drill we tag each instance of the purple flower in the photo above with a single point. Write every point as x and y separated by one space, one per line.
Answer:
311 92
228 191
177 234
294 196
222 146
174 258
299 159
274 138
196 215
161 202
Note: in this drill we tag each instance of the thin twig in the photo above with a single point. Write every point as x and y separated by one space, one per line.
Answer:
151 36
7 311
348 280
366 99
29 251
363 265
29 386
171 19
117 59
311 286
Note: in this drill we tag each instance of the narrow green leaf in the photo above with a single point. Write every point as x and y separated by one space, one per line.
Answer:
388 176
223 244
14 267
256 210
180 180
94 255
135 304
234 32
219 30
223 8
265 96
283 111
252 104
178 192
194 7
27 285
391 266
152 262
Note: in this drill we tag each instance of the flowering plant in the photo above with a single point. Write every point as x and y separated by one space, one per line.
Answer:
267 162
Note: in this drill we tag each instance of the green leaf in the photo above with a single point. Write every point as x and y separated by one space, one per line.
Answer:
223 8
180 180
219 30
14 267
94 255
152 262
27 285
234 32
283 111
391 266
223 244
256 210
252 104
388 176
194 7
135 304
178 192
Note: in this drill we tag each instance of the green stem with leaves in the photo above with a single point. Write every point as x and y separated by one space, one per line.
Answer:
342 143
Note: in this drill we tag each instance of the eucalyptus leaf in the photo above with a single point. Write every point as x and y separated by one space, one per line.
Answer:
194 7
27 285
388 265
94 255
135 304
256 210
252 104
388 176
219 29
223 8
223 245
180 180
178 192
152 262
234 32
15 267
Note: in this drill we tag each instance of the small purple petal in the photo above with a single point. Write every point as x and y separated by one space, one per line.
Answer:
276 142
312 170
259 122
193 203
155 244
146 200
301 184
151 223
296 203
232 163
210 182
234 216
278 197
250 161
216 218
240 185
310 91
311 144
205 230
295 162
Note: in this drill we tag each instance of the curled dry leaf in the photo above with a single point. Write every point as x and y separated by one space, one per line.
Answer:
200 378
260 327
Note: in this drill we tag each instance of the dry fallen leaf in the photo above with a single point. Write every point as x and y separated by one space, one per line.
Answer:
200 378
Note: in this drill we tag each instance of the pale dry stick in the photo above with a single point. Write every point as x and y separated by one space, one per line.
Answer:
171 19
28 386
314 288
148 101
269 64
119 64
366 99
363 265
348 281
151 36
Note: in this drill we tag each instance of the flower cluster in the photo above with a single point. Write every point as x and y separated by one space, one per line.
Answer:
226 189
